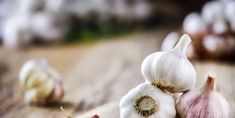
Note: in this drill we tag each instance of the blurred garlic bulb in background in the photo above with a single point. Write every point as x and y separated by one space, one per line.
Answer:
147 101
193 24
218 45
204 102
46 27
40 82
230 13
170 70
17 32
213 14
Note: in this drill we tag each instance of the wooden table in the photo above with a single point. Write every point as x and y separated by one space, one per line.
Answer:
95 76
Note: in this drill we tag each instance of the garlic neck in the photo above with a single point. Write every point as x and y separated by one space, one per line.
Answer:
183 44
209 87
146 106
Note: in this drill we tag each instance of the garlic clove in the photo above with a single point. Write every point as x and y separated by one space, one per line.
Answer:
204 102
193 24
147 101
170 70
40 82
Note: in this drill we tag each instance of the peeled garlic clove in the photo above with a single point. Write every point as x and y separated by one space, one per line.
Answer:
40 82
203 103
170 70
146 101
193 24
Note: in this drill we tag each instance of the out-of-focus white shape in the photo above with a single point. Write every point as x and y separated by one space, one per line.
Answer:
44 26
16 31
230 13
54 6
170 41
193 24
121 9
220 26
29 6
213 14
211 43
141 9
212 11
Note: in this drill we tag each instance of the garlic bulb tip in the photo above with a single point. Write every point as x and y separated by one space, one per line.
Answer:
183 43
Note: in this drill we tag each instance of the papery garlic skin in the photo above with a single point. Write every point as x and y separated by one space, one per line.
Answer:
40 82
203 103
170 70
162 103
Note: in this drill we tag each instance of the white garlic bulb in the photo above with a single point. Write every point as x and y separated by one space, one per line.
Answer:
170 70
213 14
193 24
147 101
203 103
230 13
40 82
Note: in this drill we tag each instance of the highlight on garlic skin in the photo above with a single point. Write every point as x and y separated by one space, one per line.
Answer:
203 102
147 101
40 82
170 70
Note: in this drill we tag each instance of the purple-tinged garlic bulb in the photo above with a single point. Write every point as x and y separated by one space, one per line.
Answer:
41 83
204 102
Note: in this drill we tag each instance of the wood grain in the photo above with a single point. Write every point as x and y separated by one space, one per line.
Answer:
95 76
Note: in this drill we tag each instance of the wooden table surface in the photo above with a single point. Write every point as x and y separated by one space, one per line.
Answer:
96 76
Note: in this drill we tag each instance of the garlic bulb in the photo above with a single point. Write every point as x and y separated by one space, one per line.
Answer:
229 13
146 101
40 82
203 103
213 14
218 46
170 70
193 24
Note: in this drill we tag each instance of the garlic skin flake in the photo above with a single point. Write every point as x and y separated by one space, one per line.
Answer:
147 101
170 70
204 102
40 82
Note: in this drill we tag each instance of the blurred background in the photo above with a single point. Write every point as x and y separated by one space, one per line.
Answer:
97 46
